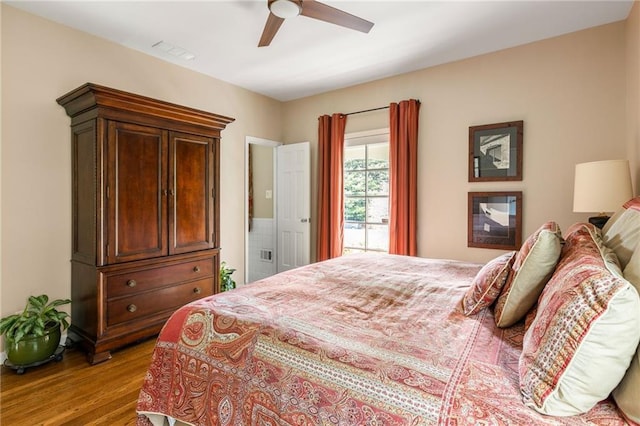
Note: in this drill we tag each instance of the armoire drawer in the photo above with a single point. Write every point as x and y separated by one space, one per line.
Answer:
131 282
165 299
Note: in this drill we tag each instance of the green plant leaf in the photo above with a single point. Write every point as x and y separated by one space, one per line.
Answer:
38 302
59 302
64 323
40 323
37 314
19 334
7 322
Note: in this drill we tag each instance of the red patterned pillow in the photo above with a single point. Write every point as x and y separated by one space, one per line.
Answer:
531 270
585 332
485 287
531 315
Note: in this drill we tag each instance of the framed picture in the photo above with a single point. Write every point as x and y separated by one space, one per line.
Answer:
495 220
495 152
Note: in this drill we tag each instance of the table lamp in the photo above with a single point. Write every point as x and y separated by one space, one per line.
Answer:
601 187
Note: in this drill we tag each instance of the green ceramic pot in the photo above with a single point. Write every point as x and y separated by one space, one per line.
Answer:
32 349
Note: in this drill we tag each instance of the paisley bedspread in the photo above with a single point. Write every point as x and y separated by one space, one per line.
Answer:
357 340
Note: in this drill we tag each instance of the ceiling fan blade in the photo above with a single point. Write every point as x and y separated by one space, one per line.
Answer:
324 12
270 29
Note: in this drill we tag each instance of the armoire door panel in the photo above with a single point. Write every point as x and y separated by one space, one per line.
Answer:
191 198
84 153
136 194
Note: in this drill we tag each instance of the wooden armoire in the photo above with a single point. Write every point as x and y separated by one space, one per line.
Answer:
145 213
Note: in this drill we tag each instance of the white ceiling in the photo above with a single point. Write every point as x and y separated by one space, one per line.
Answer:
307 56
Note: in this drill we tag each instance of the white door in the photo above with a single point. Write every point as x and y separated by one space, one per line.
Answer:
293 206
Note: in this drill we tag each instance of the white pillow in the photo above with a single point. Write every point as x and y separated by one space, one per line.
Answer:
627 394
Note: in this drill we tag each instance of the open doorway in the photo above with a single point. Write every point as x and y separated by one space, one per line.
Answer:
260 208
277 207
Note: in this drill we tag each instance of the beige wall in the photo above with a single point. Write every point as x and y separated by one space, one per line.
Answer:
41 61
262 180
1 172
569 91
633 90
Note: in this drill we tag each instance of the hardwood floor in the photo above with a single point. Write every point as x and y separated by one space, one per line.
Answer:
72 392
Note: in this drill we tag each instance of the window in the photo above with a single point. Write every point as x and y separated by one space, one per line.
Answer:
366 192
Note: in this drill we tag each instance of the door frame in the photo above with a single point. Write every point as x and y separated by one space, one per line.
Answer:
264 142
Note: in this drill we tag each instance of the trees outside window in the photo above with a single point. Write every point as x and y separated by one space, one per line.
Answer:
366 197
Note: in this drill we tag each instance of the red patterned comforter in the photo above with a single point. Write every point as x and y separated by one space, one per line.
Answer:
358 340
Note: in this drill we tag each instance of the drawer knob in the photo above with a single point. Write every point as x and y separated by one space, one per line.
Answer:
197 290
132 283
196 269
132 308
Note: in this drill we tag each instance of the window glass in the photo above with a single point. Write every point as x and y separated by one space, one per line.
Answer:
354 209
378 155
366 197
378 210
378 182
354 235
355 183
354 157
378 237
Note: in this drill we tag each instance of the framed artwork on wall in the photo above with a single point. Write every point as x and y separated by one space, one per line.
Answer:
495 220
495 152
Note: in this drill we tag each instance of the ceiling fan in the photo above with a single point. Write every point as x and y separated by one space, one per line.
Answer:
279 10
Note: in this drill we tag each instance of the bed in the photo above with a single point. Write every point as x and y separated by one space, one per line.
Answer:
546 335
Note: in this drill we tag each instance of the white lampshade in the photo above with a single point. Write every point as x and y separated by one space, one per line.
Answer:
601 186
284 8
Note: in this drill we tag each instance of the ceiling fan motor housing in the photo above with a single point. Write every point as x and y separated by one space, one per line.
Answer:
285 8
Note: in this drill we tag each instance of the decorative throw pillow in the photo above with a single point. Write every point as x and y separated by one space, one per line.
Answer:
627 394
579 228
621 233
585 332
485 287
532 268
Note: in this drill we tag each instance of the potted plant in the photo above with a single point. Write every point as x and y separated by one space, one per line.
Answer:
34 334
226 282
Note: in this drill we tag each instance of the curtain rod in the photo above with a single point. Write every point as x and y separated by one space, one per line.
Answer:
367 110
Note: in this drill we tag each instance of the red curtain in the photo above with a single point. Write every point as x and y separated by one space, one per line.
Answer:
330 187
403 177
